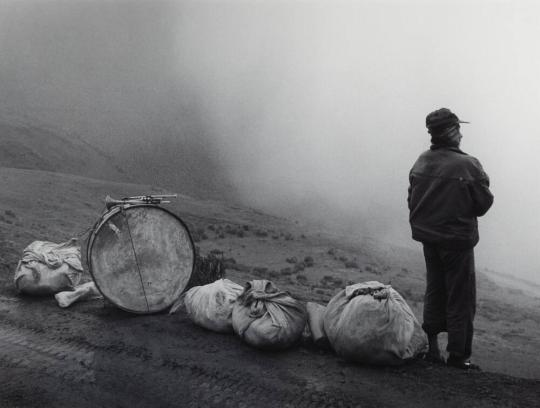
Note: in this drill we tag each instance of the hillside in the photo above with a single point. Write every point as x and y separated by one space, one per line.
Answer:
31 147
92 347
167 159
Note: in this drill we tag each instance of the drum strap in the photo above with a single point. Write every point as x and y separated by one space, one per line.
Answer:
136 259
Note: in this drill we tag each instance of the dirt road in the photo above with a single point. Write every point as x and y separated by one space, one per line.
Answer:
95 355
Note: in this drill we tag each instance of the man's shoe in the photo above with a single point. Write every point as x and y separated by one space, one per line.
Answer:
461 363
434 358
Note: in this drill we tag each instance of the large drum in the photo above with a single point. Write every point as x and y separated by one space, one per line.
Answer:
141 257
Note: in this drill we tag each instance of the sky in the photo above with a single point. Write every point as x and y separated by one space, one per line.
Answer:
315 108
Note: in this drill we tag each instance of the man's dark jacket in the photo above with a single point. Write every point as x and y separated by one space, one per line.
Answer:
448 190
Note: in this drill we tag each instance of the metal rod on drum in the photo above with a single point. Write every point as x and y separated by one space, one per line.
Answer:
152 196
147 199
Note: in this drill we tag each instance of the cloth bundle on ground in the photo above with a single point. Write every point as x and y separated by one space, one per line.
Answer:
315 327
371 323
47 268
267 318
211 305
85 291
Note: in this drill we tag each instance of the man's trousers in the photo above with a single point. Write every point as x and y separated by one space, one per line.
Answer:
450 300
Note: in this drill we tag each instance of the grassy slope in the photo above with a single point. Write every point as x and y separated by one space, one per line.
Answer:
37 147
52 206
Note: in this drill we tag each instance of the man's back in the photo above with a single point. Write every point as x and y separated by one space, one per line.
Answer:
448 190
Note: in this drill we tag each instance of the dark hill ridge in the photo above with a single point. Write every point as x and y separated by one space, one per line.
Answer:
39 148
182 164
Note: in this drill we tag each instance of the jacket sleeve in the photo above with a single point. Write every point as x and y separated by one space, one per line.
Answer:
409 191
479 189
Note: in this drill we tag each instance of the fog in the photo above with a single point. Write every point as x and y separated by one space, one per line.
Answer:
313 110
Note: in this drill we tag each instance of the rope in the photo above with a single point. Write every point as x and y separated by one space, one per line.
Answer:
82 234
136 260
87 230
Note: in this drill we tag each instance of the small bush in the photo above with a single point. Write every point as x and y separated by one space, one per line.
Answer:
308 261
286 271
10 213
300 266
351 264
338 281
291 260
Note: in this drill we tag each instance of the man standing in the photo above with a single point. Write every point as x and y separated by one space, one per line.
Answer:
448 191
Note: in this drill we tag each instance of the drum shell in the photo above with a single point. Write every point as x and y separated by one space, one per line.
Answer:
141 257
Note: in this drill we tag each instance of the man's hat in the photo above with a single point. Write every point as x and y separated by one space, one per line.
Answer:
442 118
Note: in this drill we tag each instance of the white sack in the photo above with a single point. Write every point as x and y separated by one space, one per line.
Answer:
211 305
371 323
268 318
47 268
82 292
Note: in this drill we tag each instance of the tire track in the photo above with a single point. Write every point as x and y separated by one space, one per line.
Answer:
119 373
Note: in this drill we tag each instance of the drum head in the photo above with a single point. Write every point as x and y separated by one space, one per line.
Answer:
141 257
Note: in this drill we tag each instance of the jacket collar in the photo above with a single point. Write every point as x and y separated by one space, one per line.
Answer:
451 148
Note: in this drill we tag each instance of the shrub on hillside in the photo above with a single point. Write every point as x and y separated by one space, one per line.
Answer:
308 261
10 213
351 264
301 278
261 270
286 271
300 266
